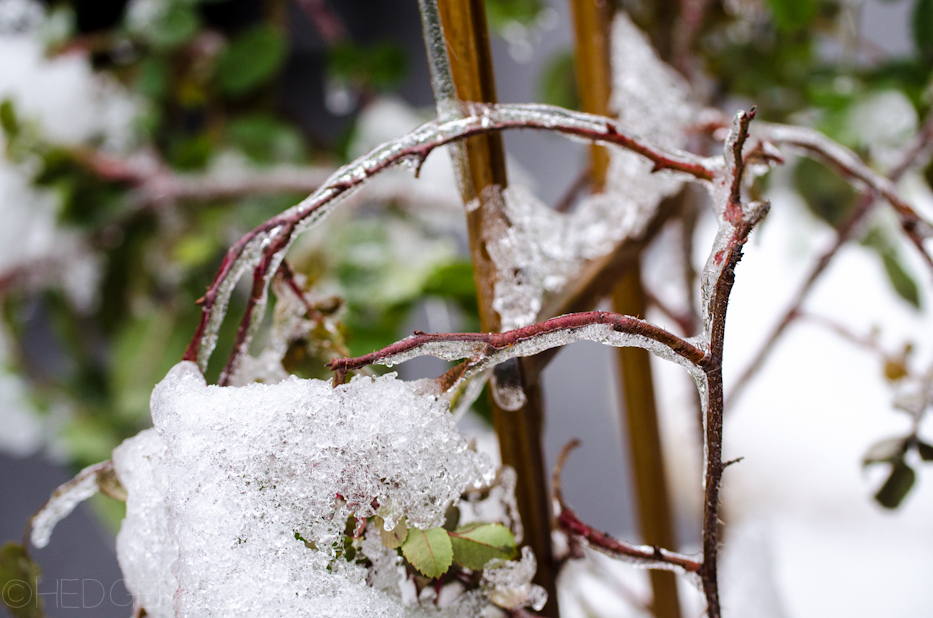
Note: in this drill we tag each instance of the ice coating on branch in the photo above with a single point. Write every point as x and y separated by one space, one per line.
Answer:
145 548
483 356
63 501
537 250
247 470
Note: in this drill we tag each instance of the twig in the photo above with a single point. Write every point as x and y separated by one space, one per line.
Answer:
852 166
277 233
323 18
736 222
488 349
644 555
914 152
579 185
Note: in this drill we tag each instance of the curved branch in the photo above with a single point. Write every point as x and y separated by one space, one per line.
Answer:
277 233
643 555
485 350
851 165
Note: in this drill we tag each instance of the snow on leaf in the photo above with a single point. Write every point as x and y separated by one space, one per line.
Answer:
393 538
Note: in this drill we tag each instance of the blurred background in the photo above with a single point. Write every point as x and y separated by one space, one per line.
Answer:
141 139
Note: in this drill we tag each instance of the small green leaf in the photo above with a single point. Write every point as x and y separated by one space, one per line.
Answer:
430 551
251 60
923 27
901 281
925 451
8 119
503 12
558 84
826 194
792 14
19 577
394 538
476 544
897 486
890 450
176 24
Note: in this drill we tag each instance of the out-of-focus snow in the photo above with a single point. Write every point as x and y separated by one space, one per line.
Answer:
67 104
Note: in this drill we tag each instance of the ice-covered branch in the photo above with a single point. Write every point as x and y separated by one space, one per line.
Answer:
852 166
642 555
485 350
913 154
736 221
262 248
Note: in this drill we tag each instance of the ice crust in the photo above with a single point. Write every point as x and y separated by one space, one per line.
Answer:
537 250
63 501
231 476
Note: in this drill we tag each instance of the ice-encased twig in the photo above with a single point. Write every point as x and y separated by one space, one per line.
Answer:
485 350
442 84
64 500
850 164
262 247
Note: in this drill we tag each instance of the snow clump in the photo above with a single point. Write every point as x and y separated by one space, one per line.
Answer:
239 498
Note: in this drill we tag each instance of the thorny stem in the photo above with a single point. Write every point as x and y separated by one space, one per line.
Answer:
481 118
651 557
914 153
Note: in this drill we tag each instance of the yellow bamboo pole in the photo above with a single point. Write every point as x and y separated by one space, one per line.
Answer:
519 431
591 25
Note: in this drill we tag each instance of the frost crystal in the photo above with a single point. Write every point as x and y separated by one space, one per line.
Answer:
537 250
254 485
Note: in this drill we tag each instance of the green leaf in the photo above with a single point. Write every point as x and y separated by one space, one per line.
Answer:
430 551
826 194
923 27
394 538
176 25
266 139
152 77
558 84
901 281
476 544
896 488
386 65
502 12
890 450
251 60
19 582
792 15
8 119
925 451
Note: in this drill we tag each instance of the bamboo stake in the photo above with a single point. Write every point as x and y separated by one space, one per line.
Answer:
519 431
591 24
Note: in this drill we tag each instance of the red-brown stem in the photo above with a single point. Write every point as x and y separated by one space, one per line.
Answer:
324 19
483 119
741 222
499 341
568 521
849 227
